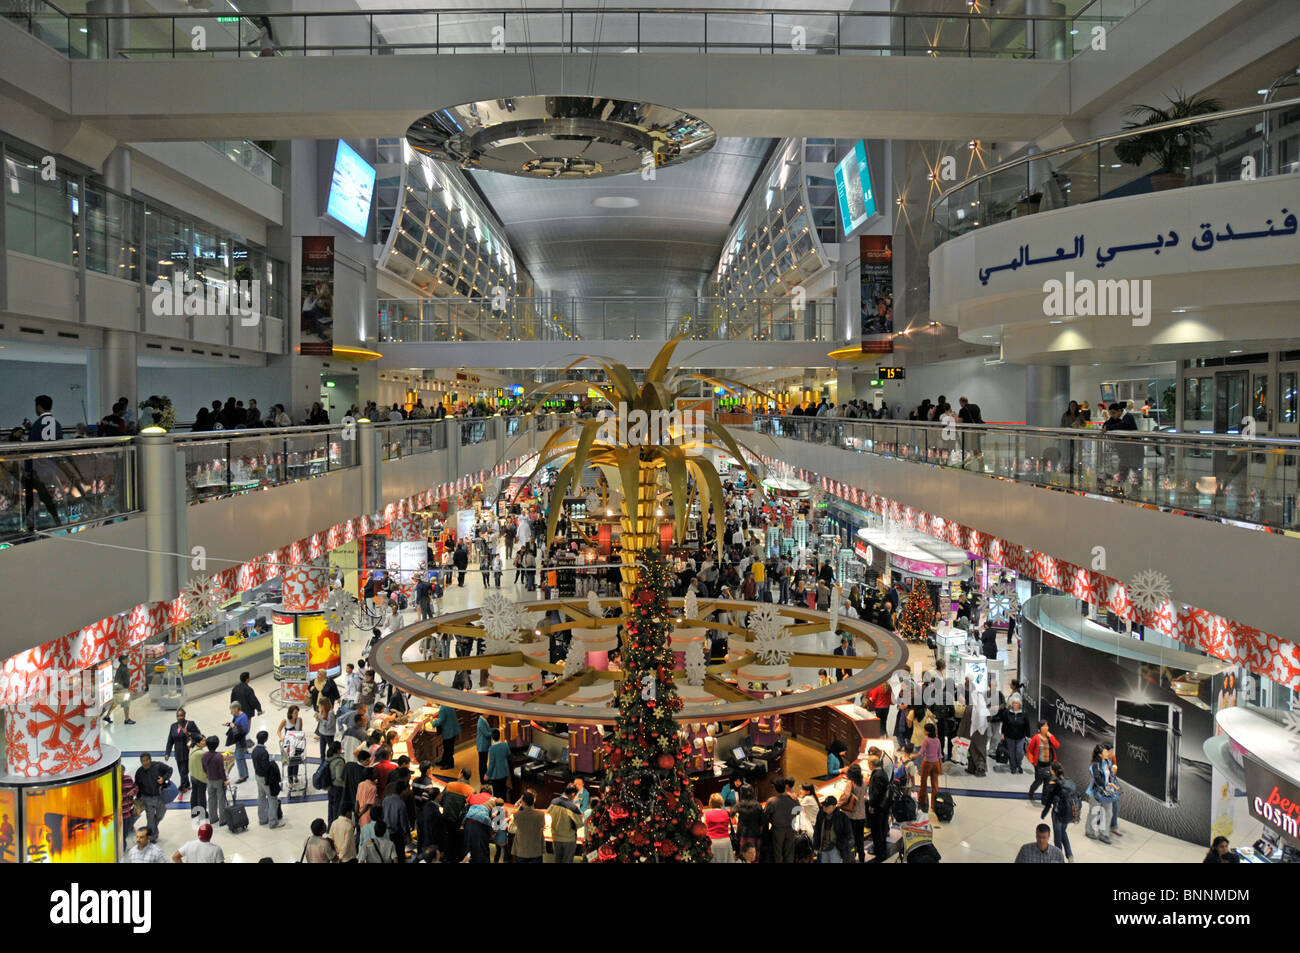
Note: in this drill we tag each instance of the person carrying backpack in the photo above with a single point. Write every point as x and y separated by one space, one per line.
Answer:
1061 798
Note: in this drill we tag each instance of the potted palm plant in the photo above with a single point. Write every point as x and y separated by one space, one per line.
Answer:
1172 148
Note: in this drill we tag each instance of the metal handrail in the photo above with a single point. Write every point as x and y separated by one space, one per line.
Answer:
1259 444
1111 137
566 11
64 445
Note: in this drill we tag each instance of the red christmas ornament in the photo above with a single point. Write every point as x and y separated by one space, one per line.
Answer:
607 853
698 829
617 812
666 761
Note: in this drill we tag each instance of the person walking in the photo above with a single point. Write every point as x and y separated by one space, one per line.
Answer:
121 692
780 813
878 806
343 835
1060 798
198 780
833 835
931 769
247 698
144 851
482 742
448 725
1040 850
1103 792
1015 732
498 766
201 850
565 821
326 726
337 766
460 559
237 738
853 802
717 825
1042 751
266 773
150 779
214 769
529 824
182 734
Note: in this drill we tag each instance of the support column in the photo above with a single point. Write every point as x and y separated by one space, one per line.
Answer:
111 373
1049 37
158 493
1047 392
106 37
368 451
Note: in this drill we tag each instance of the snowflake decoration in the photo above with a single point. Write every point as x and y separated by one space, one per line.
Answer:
1292 722
691 609
202 595
576 659
502 621
74 756
1149 590
770 640
593 504
695 664
593 606
15 746
58 719
1003 601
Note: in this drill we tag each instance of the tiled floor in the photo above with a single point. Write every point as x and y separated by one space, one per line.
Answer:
984 829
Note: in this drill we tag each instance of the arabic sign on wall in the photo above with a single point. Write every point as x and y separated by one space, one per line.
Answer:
1231 225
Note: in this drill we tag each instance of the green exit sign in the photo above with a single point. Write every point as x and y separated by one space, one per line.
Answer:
227 19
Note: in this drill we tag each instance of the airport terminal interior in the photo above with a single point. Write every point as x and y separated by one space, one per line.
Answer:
815 432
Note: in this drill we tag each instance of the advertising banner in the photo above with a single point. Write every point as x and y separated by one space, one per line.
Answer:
317 312
876 273
322 644
1273 800
1090 697
75 823
8 822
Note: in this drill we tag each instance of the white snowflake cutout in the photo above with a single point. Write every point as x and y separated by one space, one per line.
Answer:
770 642
502 621
1149 590
593 605
691 609
576 659
695 664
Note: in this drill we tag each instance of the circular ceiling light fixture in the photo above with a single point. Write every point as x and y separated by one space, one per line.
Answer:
562 137
616 201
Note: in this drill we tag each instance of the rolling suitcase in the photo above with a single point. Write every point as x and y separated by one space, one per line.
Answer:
944 806
236 819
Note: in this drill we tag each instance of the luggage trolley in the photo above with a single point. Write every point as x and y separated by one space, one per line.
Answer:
293 750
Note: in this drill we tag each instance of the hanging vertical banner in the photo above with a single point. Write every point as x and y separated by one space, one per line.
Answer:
317 327
876 272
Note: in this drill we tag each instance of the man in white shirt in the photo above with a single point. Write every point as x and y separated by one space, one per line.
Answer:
143 851
201 850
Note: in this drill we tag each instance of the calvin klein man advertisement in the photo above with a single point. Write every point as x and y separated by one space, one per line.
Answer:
1090 697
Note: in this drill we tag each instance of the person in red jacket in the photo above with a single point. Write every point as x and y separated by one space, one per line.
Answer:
1041 753
880 699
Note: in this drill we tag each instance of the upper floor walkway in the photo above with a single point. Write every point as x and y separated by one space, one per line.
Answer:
1123 504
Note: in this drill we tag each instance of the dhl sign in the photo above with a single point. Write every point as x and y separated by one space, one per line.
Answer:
208 661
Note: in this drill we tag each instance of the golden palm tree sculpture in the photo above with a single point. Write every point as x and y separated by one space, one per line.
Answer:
645 434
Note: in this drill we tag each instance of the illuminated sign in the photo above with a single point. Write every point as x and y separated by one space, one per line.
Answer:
1274 801
891 373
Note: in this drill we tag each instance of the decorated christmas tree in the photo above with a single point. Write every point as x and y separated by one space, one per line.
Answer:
647 812
917 617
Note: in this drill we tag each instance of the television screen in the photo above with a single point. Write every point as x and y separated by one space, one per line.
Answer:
853 185
352 187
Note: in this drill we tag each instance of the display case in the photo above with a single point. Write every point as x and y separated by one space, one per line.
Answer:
73 818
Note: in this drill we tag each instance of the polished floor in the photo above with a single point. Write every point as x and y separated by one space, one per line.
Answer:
993 816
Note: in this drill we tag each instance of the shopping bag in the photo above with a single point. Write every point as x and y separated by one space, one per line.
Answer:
169 792
961 751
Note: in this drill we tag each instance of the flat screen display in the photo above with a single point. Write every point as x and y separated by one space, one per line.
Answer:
853 185
535 752
75 823
352 186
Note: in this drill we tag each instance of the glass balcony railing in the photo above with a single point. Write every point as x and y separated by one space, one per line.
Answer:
606 30
1174 155
1226 477
437 320
60 488
226 463
251 158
